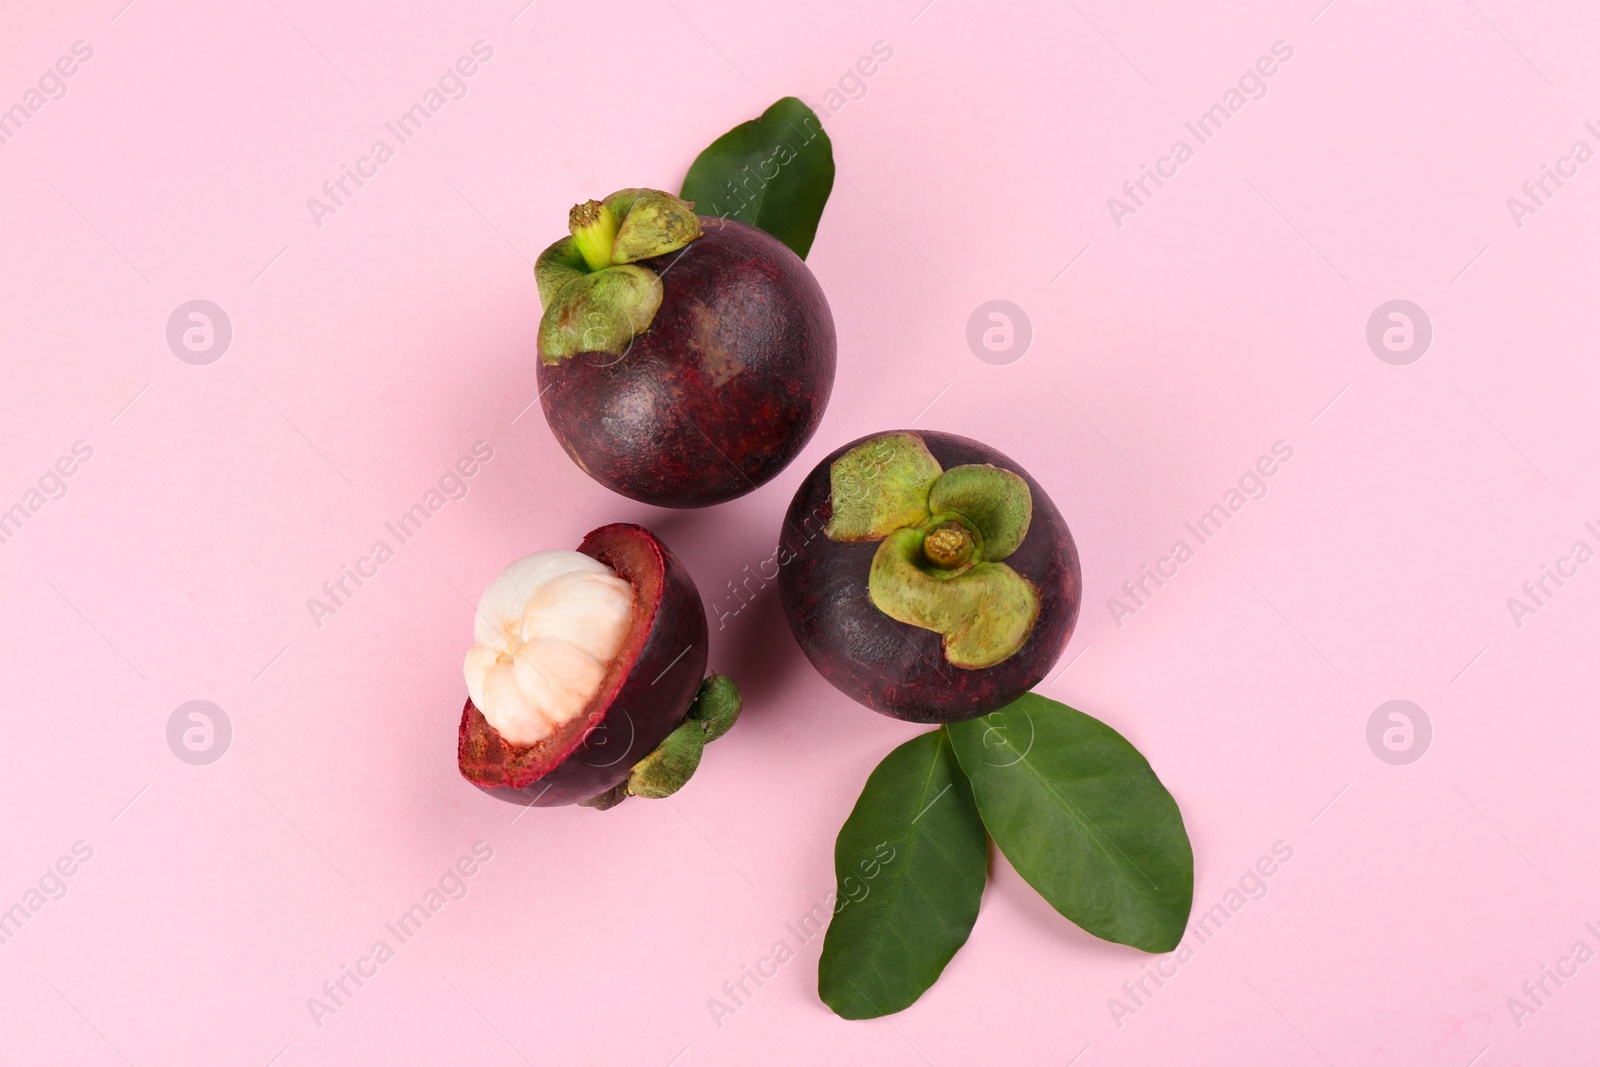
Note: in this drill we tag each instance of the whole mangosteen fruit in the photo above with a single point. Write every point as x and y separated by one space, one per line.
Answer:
584 684
928 576
683 361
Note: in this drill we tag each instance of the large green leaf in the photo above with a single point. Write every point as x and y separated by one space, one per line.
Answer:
1080 814
774 172
911 862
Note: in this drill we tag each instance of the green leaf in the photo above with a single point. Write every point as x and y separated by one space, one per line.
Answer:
774 172
911 862
1080 814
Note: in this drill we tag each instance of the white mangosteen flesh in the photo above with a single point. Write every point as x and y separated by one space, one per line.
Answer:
547 629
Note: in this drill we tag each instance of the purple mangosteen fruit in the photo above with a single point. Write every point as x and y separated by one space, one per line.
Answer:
683 361
584 684
928 576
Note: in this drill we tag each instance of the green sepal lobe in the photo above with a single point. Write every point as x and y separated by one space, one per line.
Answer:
604 310
880 486
717 706
993 500
985 611
600 312
653 224
673 763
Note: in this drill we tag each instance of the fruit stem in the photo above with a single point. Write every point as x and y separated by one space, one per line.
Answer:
948 546
594 231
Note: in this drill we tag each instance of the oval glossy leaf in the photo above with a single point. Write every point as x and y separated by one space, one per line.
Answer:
774 172
1080 815
911 862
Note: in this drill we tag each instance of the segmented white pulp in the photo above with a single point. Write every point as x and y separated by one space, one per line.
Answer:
547 628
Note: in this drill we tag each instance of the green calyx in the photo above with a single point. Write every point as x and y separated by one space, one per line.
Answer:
717 706
669 767
949 546
943 535
594 233
673 762
984 610
595 296
879 486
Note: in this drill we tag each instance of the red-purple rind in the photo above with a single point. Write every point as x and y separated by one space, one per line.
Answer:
722 390
640 702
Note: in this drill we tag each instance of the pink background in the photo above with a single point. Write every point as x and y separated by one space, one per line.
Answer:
369 354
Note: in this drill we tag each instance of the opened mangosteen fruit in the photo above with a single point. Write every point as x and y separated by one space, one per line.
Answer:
928 576
683 361
585 679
